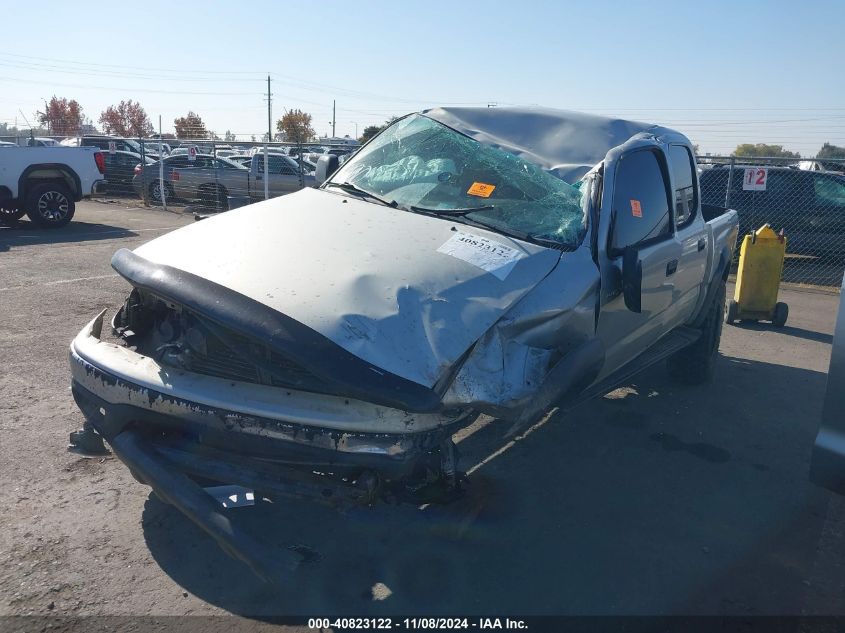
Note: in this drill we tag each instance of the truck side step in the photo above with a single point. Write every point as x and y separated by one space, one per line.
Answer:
673 342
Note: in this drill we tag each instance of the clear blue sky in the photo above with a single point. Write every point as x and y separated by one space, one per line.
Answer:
721 72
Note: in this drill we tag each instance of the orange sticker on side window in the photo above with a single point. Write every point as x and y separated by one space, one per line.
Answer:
480 189
636 209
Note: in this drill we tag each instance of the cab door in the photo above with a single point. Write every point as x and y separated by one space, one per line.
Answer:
641 223
690 233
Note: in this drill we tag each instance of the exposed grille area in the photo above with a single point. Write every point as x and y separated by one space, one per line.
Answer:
222 362
252 362
177 337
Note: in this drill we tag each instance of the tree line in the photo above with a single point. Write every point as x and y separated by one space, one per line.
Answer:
64 117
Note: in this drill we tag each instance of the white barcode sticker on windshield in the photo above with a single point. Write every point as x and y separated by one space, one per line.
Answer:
496 258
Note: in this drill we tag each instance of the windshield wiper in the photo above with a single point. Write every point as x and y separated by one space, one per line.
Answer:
348 187
463 211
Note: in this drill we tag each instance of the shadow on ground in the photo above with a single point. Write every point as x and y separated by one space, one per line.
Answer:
797 332
25 233
646 501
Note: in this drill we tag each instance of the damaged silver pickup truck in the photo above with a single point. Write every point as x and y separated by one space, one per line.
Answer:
464 261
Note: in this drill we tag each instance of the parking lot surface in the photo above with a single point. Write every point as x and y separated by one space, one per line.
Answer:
655 499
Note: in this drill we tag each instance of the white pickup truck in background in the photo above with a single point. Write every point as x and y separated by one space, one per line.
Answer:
45 182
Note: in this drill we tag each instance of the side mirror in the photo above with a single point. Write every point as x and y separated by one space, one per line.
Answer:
327 164
632 279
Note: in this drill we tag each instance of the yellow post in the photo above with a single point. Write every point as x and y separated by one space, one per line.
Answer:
758 279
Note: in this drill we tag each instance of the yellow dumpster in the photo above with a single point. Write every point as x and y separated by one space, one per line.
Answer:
758 279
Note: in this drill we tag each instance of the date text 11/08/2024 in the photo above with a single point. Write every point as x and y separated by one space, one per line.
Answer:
416 623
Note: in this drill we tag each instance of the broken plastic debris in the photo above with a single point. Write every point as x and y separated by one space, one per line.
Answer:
232 496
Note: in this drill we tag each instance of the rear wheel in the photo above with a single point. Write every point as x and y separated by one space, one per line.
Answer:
155 191
50 205
732 312
695 364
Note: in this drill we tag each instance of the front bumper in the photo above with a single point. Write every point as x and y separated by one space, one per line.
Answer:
118 389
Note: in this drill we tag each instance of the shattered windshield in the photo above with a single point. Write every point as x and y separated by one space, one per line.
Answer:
421 165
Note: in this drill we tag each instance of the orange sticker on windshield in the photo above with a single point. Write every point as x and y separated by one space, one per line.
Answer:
636 209
480 189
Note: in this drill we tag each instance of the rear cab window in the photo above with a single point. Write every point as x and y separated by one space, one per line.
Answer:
684 182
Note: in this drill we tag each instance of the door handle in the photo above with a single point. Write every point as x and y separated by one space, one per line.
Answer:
701 244
671 267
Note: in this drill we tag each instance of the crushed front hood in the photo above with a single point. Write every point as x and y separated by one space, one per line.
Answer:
404 292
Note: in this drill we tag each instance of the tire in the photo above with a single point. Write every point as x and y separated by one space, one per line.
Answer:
695 364
732 312
155 191
50 205
780 315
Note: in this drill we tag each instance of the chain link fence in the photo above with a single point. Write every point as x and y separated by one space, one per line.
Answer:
805 199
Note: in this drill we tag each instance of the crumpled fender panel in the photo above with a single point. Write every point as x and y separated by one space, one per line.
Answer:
510 363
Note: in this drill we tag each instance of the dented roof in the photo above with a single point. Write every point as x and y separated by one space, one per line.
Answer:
566 143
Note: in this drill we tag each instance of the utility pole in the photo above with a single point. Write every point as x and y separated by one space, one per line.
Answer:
269 112
333 119
161 185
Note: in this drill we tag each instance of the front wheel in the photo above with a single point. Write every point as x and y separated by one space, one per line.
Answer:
695 364
50 205
155 192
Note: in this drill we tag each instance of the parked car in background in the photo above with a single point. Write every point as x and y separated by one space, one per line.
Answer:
304 150
834 167
210 180
307 166
151 148
808 205
340 152
7 144
40 141
241 159
148 175
104 143
45 182
213 181
121 168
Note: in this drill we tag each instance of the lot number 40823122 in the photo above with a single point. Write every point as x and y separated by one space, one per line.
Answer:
755 179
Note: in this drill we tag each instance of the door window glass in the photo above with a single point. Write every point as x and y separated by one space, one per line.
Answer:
640 202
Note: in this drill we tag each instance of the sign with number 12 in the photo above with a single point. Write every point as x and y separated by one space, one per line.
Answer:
755 179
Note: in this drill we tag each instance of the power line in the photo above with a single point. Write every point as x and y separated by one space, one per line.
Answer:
124 67
132 89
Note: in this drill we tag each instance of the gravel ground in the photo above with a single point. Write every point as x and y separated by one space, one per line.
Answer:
655 499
